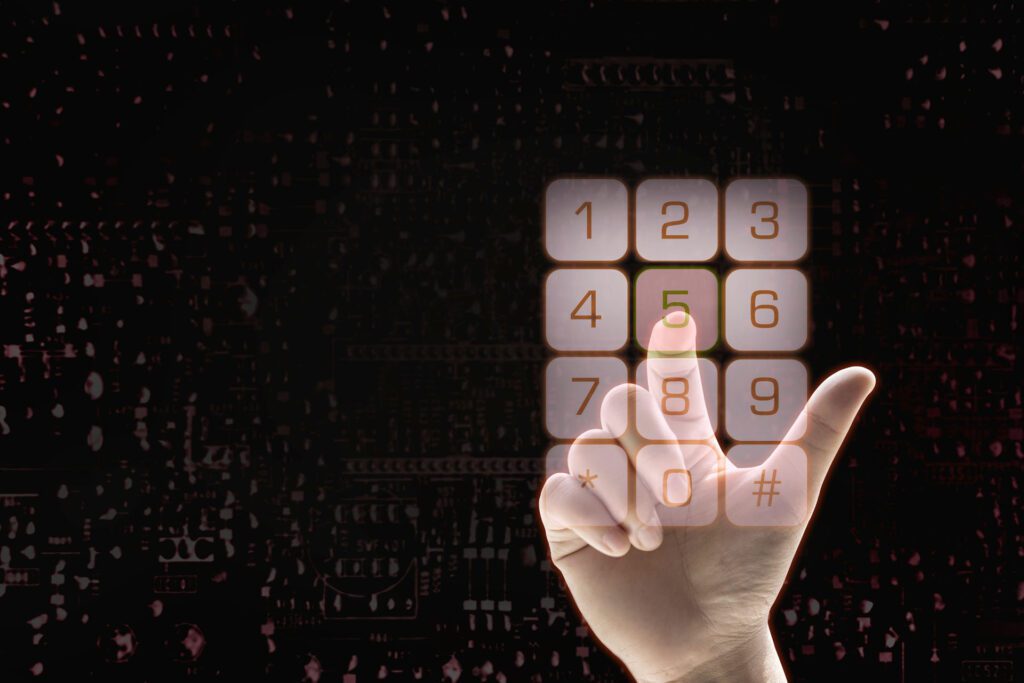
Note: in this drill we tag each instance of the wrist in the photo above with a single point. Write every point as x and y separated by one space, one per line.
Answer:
755 659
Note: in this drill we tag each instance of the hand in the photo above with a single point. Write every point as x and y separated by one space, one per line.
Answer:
677 603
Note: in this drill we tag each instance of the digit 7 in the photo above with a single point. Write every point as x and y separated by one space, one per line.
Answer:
593 387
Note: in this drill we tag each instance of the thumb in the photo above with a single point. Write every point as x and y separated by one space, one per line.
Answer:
827 419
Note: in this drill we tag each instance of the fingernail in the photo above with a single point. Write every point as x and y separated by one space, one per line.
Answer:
616 541
649 537
676 335
677 319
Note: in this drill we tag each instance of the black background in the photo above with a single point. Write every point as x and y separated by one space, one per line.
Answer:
300 246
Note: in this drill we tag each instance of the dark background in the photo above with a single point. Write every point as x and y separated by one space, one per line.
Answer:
299 247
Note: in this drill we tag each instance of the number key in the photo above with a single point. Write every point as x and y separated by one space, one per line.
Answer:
574 390
689 416
765 309
691 290
676 219
764 397
586 309
586 219
766 219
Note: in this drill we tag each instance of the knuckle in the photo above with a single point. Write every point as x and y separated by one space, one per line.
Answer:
821 433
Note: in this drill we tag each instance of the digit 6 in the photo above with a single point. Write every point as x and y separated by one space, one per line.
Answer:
755 307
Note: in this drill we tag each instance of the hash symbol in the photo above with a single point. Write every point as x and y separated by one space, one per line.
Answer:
771 492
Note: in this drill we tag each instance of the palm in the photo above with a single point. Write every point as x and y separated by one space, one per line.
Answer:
714 583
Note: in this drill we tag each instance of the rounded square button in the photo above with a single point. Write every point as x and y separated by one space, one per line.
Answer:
765 309
692 290
586 309
689 417
687 492
556 460
766 219
677 219
575 388
764 397
586 219
763 491
604 468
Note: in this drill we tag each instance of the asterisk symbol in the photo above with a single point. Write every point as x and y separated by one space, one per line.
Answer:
587 479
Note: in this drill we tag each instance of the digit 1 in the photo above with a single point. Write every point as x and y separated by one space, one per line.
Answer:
587 206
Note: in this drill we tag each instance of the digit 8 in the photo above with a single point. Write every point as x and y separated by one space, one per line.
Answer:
667 394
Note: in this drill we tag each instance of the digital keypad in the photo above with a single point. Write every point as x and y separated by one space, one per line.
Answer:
708 281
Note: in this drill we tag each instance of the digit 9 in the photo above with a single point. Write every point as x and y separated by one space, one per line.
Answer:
772 397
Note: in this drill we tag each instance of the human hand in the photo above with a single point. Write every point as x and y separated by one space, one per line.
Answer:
680 603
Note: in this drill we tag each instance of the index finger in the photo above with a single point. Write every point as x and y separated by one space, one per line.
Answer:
674 378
